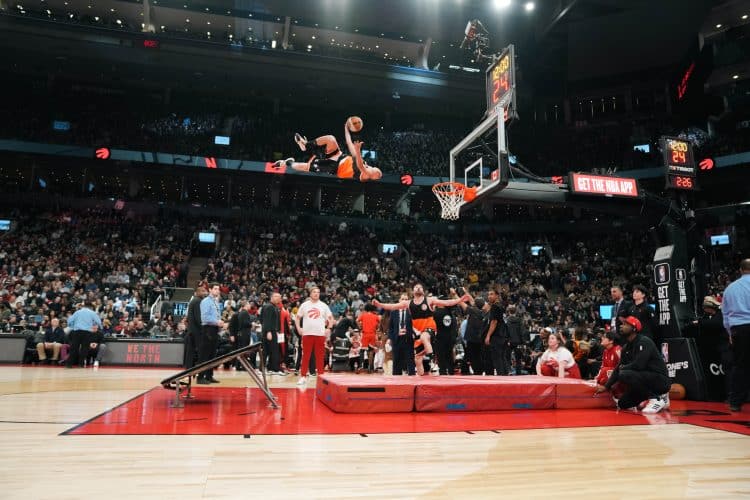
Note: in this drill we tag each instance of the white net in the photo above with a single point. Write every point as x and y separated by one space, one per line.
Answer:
451 197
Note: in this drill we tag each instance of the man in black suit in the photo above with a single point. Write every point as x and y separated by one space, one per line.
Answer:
270 319
193 333
400 333
621 309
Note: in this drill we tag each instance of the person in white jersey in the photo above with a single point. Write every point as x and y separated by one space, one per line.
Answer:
314 321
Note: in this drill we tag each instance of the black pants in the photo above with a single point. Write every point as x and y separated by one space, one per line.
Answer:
207 345
79 347
740 378
403 355
444 350
473 356
243 339
191 350
500 354
272 351
641 386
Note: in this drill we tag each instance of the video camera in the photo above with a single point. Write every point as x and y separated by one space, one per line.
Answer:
476 39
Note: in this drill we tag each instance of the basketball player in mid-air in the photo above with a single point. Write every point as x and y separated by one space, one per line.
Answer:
421 309
327 157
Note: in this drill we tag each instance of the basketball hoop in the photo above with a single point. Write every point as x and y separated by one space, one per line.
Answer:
451 196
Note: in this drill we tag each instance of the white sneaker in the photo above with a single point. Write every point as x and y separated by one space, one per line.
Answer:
302 381
96 364
654 406
314 374
301 141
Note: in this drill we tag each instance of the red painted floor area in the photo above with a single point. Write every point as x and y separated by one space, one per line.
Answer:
239 411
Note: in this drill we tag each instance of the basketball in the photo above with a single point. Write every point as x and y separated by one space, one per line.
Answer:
470 194
354 123
677 391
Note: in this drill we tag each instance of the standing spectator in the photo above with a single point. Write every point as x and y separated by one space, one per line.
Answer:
642 311
399 334
285 339
313 321
211 323
517 335
497 335
713 345
620 309
368 323
270 318
736 307
244 330
82 323
445 338
54 338
194 327
473 335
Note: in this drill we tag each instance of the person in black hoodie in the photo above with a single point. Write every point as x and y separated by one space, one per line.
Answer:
642 311
641 370
518 336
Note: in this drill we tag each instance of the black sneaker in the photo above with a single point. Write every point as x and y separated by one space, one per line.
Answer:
202 381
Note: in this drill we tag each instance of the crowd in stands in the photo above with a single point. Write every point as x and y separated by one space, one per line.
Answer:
51 263
120 263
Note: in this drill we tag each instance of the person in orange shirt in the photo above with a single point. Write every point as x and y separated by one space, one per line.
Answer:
368 323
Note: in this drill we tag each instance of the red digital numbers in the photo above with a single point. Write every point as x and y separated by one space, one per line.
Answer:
499 87
679 157
681 182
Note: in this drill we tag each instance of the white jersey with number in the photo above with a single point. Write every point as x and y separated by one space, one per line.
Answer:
314 317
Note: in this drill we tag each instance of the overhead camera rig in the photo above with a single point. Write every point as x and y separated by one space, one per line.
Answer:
477 40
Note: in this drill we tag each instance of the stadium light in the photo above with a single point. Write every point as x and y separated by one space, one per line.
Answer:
502 4
529 6
735 77
718 26
744 16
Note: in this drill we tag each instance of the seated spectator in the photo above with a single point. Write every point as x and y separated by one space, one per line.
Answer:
557 361
355 352
97 347
54 338
610 357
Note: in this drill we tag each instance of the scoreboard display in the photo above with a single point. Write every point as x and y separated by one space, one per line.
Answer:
680 163
501 80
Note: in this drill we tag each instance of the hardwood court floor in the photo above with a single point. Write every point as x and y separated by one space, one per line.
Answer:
37 404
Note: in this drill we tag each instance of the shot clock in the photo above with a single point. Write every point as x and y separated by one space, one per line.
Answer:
501 81
680 163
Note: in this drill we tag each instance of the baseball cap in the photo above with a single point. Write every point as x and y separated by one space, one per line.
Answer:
634 322
711 302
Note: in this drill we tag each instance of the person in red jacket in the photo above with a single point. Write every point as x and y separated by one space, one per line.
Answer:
610 357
